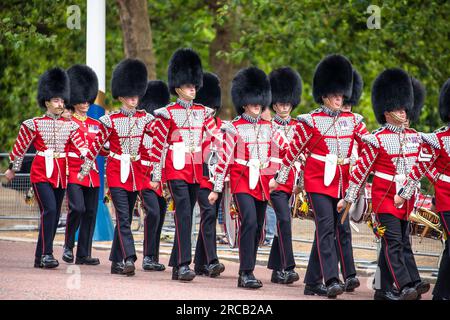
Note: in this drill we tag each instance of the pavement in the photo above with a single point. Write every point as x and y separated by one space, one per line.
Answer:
20 280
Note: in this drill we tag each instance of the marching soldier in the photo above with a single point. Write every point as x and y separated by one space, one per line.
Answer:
286 87
246 154
328 134
205 259
82 195
124 129
50 135
181 126
390 152
155 205
434 162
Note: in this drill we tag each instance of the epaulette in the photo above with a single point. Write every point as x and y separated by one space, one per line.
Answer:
209 111
163 112
358 118
371 139
306 118
30 124
431 139
229 127
106 120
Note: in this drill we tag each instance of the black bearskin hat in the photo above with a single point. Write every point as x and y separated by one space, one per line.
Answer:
444 102
286 86
357 89
419 99
209 95
250 86
54 83
129 79
83 85
185 67
156 96
334 74
391 90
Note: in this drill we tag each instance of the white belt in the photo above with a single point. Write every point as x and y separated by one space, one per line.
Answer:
384 176
246 163
56 155
189 150
276 160
73 155
444 177
323 159
119 156
146 163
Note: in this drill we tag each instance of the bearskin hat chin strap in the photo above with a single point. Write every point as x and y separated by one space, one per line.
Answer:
398 119
184 95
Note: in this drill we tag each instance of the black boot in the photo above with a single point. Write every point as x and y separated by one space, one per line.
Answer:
87 260
408 293
248 280
421 287
291 276
183 273
129 267
67 255
46 261
334 289
351 283
385 295
117 268
150 264
315 289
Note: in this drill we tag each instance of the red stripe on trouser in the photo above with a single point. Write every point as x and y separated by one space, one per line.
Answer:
67 218
122 247
177 231
317 233
444 222
240 230
341 253
280 242
388 260
145 225
202 223
42 218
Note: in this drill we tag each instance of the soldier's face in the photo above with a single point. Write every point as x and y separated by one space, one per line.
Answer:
346 108
253 109
396 117
55 105
333 101
282 109
129 102
81 108
67 114
189 89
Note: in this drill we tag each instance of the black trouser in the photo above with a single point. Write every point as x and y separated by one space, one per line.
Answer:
396 261
50 200
184 196
155 212
252 213
344 251
83 203
123 242
281 254
323 260
442 287
206 249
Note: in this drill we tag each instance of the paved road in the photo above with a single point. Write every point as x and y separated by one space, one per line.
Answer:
19 280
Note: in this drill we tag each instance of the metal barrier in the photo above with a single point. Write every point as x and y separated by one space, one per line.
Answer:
16 214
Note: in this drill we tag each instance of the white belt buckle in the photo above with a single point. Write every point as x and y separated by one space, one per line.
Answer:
331 161
49 164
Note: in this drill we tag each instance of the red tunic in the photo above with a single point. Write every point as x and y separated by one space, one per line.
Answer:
389 151
124 130
433 161
46 133
210 142
146 165
87 130
184 125
324 132
286 129
246 140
